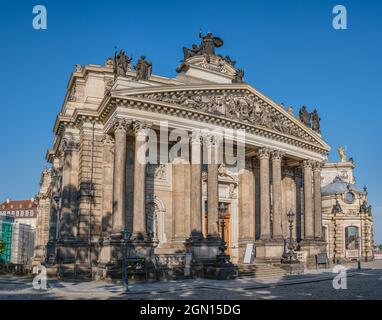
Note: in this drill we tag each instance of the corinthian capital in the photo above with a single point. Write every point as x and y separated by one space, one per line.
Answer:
70 144
212 140
277 155
196 137
306 164
121 125
140 127
317 166
263 153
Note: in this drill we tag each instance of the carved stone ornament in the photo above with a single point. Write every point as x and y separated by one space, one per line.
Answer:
140 127
242 106
69 144
277 155
196 137
121 125
307 164
107 140
317 166
264 153
157 171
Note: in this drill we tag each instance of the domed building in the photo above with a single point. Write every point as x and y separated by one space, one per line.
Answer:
347 219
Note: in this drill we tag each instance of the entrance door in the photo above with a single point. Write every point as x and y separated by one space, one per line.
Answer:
227 219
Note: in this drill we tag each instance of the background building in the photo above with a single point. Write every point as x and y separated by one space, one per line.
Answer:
347 217
23 211
17 241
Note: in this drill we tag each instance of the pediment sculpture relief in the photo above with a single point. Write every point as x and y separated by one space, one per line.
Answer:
241 106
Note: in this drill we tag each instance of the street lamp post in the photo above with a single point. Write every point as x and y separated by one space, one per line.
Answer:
359 253
290 257
222 257
125 274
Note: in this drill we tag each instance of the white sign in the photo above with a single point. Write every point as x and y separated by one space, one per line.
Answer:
352 253
248 253
301 256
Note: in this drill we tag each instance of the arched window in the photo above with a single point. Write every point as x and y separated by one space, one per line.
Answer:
351 238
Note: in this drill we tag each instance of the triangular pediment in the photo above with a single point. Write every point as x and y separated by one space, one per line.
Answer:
237 102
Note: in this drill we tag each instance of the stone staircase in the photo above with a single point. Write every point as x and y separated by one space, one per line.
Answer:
260 270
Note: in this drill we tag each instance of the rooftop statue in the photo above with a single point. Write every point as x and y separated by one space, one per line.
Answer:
209 43
341 153
206 47
122 63
188 53
315 121
239 76
305 116
143 68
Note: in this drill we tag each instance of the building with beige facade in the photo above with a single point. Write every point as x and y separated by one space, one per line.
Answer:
347 217
103 204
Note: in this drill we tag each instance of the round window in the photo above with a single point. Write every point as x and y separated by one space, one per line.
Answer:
349 197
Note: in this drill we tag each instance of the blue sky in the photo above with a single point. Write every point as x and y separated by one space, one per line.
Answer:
289 51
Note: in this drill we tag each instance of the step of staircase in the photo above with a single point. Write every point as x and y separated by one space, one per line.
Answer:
260 270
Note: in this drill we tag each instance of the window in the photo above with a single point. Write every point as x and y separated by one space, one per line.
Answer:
17 213
351 238
349 197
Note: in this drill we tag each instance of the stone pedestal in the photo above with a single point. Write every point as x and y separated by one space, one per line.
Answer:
269 250
204 252
66 251
312 247
111 257
293 268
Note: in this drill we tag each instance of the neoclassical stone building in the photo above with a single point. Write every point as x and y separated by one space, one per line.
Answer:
102 199
347 217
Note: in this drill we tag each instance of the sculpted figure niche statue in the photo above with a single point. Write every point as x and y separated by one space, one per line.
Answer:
143 68
122 63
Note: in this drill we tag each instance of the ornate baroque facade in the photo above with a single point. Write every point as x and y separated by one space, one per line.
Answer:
101 199
347 217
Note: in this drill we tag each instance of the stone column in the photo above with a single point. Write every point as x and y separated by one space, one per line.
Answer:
139 211
119 204
69 189
308 201
263 155
317 200
246 196
196 185
178 199
212 188
277 195
107 185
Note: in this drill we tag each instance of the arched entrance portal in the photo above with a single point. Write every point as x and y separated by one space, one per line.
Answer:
155 212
